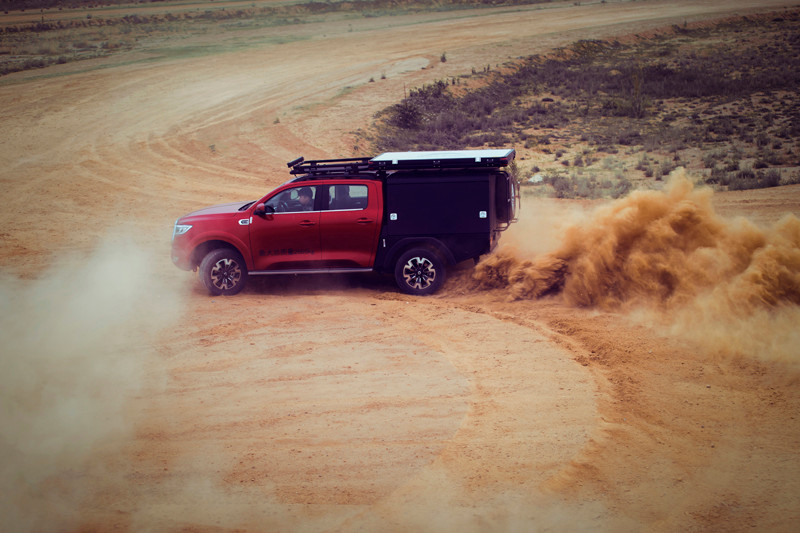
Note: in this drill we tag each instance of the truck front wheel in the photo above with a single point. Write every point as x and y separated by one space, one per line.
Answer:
419 271
223 272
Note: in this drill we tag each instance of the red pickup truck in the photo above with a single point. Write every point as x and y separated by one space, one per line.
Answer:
406 213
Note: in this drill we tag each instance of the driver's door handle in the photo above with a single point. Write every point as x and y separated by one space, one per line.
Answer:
307 223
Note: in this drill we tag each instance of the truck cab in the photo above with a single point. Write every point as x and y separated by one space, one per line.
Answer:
407 213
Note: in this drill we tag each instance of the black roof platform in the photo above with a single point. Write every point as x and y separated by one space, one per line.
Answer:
321 168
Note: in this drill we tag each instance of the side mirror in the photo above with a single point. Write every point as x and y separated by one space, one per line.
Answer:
263 210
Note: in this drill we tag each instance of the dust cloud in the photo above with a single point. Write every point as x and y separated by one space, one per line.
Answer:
728 284
74 347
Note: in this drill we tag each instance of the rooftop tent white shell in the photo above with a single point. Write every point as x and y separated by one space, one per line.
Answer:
479 157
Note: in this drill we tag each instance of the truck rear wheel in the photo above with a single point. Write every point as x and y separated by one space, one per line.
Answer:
223 272
419 271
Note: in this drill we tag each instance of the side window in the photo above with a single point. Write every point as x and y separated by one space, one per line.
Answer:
293 200
347 197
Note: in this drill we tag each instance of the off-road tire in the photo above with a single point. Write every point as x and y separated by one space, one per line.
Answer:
223 272
419 271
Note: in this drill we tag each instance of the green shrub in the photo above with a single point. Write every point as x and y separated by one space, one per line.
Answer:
621 188
718 176
771 178
732 165
604 94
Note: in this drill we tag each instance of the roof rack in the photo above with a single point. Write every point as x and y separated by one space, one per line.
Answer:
326 167
402 161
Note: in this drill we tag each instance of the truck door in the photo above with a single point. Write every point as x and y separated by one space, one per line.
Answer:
350 225
287 237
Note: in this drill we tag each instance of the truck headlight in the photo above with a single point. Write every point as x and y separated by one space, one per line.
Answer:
180 229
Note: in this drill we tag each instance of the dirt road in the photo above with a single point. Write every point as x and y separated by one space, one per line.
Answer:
137 402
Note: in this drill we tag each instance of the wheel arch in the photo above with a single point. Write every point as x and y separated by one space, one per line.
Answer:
202 249
430 243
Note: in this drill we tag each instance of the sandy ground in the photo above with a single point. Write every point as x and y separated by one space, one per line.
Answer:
133 401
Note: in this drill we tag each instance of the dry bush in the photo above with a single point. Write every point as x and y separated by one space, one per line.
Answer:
672 93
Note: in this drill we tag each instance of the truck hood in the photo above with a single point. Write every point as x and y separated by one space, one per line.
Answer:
222 209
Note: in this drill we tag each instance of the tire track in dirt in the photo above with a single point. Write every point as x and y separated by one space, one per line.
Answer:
378 418
257 416
192 104
494 465
682 436
292 425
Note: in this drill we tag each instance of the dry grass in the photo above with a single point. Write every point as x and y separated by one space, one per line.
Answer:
592 119
104 30
597 117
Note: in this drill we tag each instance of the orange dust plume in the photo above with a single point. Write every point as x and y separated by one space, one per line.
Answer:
75 345
667 251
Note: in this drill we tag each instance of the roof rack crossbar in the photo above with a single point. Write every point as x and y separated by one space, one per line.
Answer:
294 162
321 167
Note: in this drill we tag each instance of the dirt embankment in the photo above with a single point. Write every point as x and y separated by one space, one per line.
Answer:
643 391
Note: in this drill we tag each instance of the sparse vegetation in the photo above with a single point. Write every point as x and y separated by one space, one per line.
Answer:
679 98
103 31
720 98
